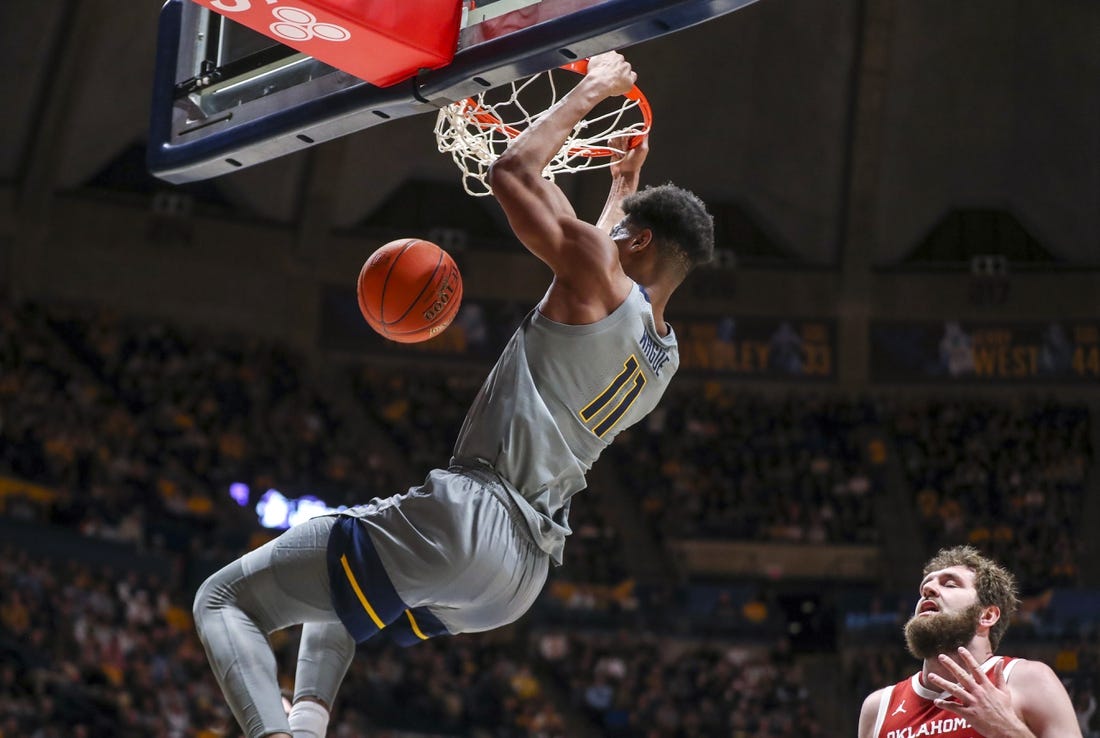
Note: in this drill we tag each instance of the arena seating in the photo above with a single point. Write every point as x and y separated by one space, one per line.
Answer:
121 437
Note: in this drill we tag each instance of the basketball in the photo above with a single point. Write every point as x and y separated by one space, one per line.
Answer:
409 290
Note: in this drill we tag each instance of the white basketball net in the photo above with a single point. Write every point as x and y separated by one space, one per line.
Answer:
476 130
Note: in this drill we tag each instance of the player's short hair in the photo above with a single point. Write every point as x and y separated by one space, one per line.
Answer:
995 584
683 228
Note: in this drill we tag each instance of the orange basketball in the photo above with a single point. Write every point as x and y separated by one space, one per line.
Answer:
409 290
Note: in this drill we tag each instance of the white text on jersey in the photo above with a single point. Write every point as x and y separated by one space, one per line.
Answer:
654 354
944 726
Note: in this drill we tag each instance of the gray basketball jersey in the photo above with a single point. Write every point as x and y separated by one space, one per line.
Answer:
557 397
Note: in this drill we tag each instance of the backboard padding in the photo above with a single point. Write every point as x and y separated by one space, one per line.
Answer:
496 48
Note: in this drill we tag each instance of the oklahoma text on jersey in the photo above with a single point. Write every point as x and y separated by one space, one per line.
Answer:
944 726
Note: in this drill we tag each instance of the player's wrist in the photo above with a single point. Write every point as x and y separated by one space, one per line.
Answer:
596 88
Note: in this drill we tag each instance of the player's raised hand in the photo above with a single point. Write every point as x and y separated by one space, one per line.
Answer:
985 703
612 72
630 162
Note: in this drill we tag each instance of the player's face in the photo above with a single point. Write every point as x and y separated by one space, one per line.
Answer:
620 231
626 239
946 615
947 590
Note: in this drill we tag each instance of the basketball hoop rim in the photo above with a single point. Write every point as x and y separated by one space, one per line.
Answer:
486 118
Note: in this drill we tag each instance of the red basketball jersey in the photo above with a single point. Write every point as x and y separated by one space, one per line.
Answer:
907 709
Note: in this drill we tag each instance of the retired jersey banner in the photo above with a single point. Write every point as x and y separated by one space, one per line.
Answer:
765 348
1053 351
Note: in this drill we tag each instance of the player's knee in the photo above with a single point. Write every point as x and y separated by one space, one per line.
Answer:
207 599
199 606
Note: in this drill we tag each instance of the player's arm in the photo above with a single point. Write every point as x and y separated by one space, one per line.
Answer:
1042 701
581 255
625 173
869 713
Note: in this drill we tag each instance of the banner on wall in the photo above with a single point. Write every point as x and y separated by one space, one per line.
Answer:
985 351
765 348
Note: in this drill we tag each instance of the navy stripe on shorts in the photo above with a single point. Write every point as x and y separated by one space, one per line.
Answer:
364 596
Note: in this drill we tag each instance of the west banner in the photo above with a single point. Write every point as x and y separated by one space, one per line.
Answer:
1051 351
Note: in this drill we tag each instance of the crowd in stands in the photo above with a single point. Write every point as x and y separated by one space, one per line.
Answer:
422 412
1006 477
713 462
867 668
140 428
94 652
116 409
637 686
97 652
132 432
479 685
225 408
90 652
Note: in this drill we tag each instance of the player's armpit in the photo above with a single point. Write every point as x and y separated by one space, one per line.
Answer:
1042 701
588 279
545 222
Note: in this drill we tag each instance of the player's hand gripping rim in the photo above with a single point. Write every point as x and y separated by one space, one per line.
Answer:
612 73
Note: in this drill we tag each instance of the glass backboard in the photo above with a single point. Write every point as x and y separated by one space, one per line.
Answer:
227 97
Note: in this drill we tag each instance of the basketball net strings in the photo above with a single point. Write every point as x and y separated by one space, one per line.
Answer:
475 135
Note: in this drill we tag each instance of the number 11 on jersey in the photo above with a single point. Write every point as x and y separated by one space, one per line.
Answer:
625 388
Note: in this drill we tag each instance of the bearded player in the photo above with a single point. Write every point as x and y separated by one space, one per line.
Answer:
964 690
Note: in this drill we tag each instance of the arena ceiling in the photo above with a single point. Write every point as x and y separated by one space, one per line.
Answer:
801 113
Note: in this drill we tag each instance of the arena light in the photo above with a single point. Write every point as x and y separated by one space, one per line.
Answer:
239 492
277 511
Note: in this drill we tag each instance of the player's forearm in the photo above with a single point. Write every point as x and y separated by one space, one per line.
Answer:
535 147
622 186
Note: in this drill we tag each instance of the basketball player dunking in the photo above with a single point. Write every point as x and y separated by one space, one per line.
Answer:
469 549
964 691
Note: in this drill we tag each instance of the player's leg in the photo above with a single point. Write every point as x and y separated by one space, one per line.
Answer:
283 583
324 655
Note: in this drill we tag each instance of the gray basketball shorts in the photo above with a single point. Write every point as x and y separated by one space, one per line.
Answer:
453 555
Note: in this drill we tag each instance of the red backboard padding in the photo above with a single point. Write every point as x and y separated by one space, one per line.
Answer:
379 41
